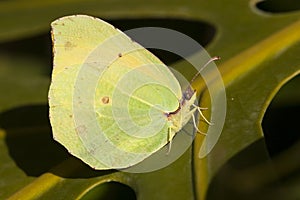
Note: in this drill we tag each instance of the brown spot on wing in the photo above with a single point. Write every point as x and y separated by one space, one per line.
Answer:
69 46
105 100
81 129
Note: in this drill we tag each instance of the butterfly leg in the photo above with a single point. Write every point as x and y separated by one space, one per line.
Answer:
170 139
201 114
195 125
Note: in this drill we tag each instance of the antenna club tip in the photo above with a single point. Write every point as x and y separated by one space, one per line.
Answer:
208 62
216 58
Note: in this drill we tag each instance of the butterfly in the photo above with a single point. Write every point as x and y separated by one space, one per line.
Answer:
112 103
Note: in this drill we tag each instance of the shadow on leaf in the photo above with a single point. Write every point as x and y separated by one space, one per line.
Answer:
31 146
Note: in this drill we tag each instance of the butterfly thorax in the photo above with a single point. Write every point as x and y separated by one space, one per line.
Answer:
183 114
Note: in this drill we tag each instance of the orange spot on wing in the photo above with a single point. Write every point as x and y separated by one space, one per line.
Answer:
105 100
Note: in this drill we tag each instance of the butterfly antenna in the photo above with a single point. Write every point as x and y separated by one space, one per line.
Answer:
206 64
189 91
